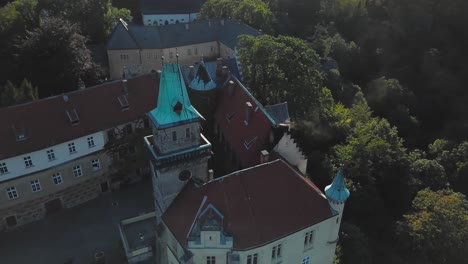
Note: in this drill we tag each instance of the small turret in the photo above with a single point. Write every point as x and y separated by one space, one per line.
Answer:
337 194
337 191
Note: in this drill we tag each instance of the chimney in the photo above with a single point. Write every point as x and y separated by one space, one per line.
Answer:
187 26
191 72
224 71
231 88
210 175
222 22
248 112
264 156
159 72
125 86
219 66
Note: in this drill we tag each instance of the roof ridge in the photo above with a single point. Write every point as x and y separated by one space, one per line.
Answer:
239 172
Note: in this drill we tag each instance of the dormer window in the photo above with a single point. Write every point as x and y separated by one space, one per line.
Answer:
20 133
249 143
73 116
124 104
177 108
229 117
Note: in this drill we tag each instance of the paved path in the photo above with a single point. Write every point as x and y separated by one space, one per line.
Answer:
74 235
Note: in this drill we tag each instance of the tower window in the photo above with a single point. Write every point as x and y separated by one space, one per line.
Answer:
187 132
174 136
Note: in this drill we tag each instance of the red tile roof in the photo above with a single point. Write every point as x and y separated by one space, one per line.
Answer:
259 204
46 123
235 130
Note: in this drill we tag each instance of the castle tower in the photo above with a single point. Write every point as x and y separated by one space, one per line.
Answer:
337 194
178 150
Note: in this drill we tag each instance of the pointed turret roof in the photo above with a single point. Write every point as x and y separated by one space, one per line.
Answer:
174 107
202 80
337 191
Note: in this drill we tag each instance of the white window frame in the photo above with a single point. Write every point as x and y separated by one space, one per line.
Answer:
28 161
50 154
77 171
57 178
35 185
12 193
210 260
276 252
252 258
91 143
3 168
71 148
96 164
309 239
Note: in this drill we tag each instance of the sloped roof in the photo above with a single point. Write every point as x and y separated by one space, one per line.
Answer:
174 107
279 112
133 36
259 205
170 6
246 140
46 123
210 67
202 80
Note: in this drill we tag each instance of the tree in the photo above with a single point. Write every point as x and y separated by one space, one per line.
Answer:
55 58
255 13
279 69
438 226
12 95
354 245
428 174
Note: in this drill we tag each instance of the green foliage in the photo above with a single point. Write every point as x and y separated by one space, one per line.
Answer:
428 174
354 245
438 226
18 14
12 95
280 68
54 57
255 13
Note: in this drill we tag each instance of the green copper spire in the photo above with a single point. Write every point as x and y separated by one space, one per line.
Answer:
174 107
337 190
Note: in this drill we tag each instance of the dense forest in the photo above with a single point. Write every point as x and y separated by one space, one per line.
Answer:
377 85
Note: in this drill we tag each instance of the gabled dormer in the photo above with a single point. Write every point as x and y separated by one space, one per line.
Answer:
208 231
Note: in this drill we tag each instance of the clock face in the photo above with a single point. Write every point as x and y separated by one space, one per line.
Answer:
185 175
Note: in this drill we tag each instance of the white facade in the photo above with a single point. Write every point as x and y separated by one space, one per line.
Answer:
166 19
61 154
289 150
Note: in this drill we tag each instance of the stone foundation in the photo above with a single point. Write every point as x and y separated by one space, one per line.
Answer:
34 210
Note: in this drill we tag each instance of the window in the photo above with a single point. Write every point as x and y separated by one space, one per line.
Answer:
189 51
212 49
124 57
57 178
71 148
211 260
306 260
50 154
276 252
174 135
308 239
187 132
77 172
3 168
195 50
96 164
12 193
252 259
35 185
91 142
27 161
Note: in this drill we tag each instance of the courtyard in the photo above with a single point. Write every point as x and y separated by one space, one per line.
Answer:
74 235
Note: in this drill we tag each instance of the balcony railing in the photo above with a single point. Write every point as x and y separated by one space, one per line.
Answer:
203 149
